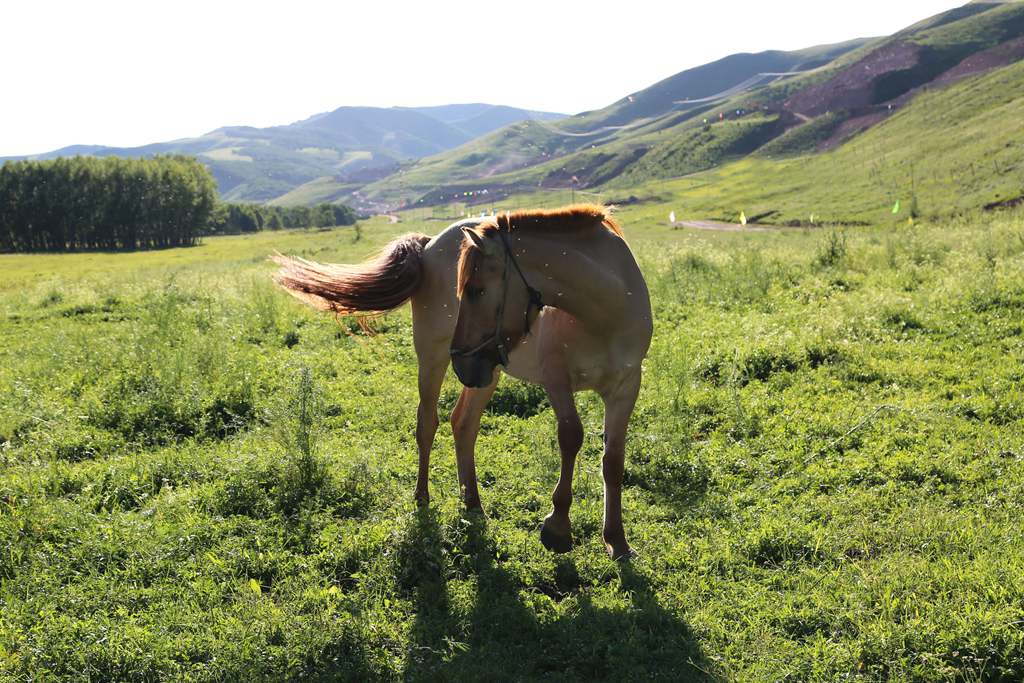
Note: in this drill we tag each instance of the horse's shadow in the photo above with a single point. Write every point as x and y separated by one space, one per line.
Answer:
493 634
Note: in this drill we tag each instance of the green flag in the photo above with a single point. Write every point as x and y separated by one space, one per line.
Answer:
896 207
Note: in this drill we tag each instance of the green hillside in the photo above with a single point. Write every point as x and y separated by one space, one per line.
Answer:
886 105
521 155
670 94
949 151
319 190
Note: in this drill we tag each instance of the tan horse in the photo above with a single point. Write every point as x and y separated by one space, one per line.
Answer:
555 297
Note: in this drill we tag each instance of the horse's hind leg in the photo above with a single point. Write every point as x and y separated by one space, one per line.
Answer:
618 406
556 532
465 427
431 375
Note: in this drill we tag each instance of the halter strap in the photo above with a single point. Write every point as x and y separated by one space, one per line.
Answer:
535 296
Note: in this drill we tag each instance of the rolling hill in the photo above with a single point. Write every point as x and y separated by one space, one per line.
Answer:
349 146
527 144
742 107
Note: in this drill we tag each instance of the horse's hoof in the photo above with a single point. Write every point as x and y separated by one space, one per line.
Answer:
475 509
620 553
554 541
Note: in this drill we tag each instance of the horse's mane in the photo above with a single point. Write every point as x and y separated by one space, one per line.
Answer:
567 220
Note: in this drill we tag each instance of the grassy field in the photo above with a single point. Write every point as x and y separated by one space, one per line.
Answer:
201 479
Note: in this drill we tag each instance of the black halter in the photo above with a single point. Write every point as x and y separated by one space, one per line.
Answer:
535 301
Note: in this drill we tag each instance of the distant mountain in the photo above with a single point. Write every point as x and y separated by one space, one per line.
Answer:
478 119
347 145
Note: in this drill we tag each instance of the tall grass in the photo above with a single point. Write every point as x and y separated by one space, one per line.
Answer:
298 428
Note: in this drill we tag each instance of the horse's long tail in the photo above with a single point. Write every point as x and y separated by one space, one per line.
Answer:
374 286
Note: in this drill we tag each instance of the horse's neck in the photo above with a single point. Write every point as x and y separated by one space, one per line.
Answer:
588 276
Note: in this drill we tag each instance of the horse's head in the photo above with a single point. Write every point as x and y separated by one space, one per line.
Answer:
495 305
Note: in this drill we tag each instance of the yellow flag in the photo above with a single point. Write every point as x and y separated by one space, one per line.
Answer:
743 218
910 220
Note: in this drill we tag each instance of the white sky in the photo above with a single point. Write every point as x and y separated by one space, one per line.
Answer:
130 73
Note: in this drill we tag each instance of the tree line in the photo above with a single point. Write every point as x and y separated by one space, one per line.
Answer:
78 203
236 218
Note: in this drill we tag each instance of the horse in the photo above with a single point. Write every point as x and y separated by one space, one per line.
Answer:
551 297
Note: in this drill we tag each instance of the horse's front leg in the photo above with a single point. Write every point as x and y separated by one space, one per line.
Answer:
556 533
465 427
618 406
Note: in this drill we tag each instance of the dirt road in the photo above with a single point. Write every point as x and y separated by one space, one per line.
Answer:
722 227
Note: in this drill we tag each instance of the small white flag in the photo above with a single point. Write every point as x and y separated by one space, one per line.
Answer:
671 216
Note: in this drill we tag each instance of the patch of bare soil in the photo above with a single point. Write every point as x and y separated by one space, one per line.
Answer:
851 126
1000 55
854 86
978 63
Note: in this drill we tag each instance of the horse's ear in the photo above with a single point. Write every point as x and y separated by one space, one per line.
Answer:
475 238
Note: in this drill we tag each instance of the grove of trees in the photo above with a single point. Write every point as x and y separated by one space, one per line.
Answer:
78 203
109 203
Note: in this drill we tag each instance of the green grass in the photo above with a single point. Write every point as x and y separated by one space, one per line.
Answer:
700 148
201 479
1002 21
318 191
804 139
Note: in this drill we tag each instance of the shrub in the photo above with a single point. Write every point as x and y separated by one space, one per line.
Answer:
832 252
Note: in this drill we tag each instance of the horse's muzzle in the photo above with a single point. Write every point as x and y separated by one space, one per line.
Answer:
474 371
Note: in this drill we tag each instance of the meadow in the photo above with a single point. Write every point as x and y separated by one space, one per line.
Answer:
201 479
